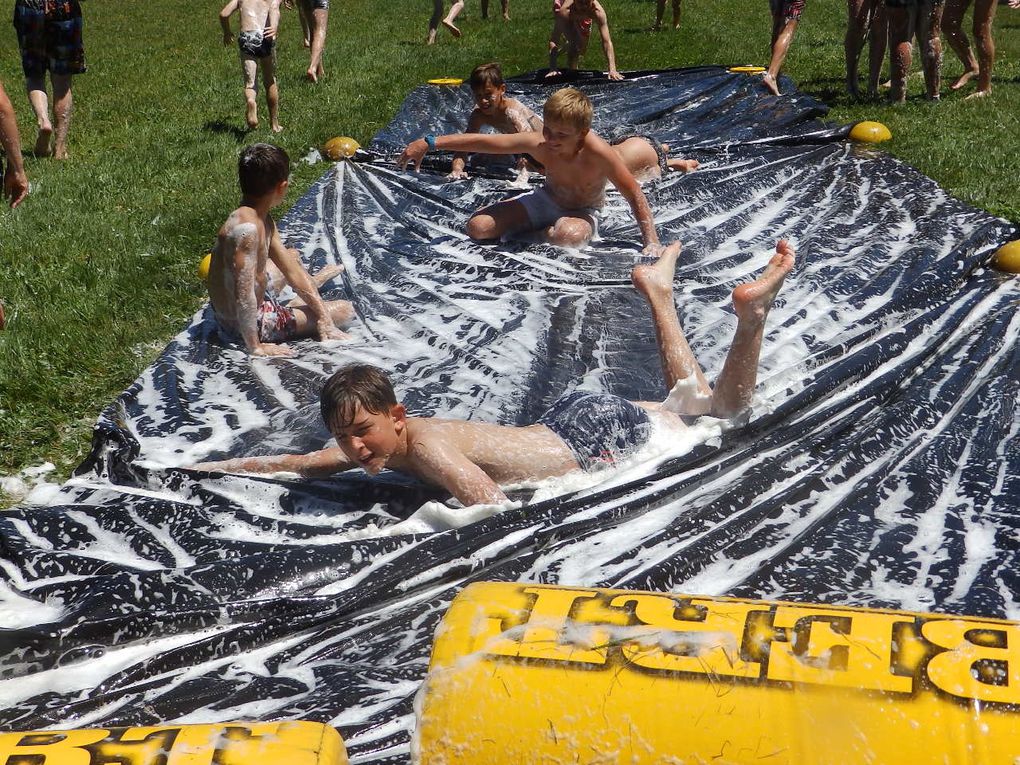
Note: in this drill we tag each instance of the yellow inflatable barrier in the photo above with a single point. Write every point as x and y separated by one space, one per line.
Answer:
203 266
870 132
747 69
1007 257
530 674
293 743
341 147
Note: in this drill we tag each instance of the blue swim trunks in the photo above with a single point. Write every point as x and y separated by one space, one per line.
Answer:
599 428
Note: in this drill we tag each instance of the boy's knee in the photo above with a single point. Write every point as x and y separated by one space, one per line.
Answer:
573 233
481 228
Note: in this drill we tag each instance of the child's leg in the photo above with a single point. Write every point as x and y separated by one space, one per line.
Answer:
676 14
272 92
63 105
655 282
735 386
506 9
249 69
277 281
952 25
455 9
984 14
570 231
901 32
857 20
35 86
660 10
320 20
340 311
782 32
878 40
495 221
304 15
929 37
437 15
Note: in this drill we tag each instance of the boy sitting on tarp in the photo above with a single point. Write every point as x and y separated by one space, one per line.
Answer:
250 264
580 431
577 163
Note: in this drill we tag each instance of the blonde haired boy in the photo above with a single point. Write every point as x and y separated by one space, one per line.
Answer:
577 162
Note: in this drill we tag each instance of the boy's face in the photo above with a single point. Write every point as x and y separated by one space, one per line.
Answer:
489 98
563 138
371 438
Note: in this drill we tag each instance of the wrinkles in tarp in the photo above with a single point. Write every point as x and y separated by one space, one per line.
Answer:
879 466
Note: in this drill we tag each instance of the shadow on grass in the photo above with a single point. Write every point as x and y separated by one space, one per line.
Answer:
222 126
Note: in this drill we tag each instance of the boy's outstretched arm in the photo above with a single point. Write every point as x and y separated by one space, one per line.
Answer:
485 143
225 14
324 462
628 186
607 43
297 277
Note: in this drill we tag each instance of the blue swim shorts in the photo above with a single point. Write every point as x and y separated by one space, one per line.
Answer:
599 428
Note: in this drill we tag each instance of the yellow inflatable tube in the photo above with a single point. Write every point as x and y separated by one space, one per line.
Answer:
293 743
537 674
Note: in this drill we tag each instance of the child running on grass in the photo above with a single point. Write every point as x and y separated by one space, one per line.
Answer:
577 164
660 11
581 430
250 264
785 17
573 23
256 42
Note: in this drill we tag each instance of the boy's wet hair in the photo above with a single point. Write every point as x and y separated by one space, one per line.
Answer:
352 386
261 168
486 74
570 106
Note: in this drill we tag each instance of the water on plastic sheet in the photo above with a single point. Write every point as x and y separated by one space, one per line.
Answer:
879 465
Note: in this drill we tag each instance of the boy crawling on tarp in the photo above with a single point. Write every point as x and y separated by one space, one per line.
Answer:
581 430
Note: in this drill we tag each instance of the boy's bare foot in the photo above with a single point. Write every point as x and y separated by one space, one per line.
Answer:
453 29
963 79
431 39
655 281
277 127
42 141
770 83
978 94
60 152
312 76
753 300
327 274
506 17
251 116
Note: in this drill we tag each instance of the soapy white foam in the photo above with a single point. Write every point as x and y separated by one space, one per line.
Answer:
18 612
30 485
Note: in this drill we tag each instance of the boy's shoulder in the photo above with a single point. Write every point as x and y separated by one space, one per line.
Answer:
244 218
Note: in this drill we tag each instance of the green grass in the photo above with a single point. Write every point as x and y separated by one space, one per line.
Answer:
97 267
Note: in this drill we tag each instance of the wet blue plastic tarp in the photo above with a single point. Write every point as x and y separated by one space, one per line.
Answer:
879 467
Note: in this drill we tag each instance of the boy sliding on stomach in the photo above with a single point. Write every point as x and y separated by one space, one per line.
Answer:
573 22
257 44
580 431
240 272
577 165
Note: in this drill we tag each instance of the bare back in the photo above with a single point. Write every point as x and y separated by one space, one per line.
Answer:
237 270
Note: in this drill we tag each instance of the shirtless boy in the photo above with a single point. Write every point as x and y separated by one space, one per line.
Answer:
493 108
980 67
643 155
577 163
250 262
257 44
580 431
315 20
573 22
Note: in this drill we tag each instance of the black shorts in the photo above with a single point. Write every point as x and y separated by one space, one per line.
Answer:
49 36
598 428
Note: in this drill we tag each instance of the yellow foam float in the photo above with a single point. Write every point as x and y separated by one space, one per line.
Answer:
203 266
1007 257
538 674
747 69
294 743
341 147
446 81
870 132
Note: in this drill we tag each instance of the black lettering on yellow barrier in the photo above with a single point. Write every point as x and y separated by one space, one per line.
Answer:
294 743
642 677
